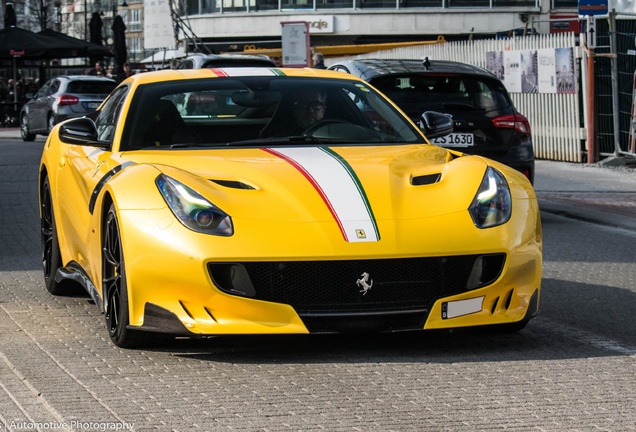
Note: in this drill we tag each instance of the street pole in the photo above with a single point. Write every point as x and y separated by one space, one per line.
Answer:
591 93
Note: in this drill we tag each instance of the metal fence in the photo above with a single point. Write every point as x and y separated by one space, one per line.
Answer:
554 118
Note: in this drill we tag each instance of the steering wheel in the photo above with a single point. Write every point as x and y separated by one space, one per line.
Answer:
321 123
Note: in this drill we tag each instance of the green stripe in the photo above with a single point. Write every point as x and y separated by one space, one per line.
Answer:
358 184
278 72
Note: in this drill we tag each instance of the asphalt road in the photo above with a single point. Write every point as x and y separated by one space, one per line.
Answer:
572 368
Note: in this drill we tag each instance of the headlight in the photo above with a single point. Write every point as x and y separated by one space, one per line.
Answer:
492 205
192 209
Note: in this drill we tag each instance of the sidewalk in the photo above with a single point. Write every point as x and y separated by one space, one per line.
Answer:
14 134
594 194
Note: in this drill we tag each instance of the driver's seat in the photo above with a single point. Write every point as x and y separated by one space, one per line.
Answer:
282 123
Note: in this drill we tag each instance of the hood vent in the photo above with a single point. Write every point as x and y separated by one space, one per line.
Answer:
232 184
425 179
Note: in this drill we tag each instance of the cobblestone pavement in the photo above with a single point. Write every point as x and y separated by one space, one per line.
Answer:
572 369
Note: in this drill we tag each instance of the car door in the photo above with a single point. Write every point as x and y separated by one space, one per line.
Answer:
82 168
51 96
35 113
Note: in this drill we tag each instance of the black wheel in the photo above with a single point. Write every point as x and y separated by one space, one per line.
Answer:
50 123
114 285
51 257
24 129
319 124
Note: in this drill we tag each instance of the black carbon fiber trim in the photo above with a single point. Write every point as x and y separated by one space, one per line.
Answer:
102 182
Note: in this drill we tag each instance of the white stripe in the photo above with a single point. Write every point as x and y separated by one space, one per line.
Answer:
247 71
339 188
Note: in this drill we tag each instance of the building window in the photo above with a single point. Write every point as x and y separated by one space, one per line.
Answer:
134 48
134 20
565 4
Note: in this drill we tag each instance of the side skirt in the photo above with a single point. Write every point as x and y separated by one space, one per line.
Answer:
75 272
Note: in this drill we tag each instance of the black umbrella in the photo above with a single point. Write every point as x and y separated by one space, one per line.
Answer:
81 47
9 17
16 43
119 42
95 27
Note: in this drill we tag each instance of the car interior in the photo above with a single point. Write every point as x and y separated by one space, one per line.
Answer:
233 112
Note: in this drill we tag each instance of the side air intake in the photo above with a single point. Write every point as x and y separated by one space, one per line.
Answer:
425 179
232 184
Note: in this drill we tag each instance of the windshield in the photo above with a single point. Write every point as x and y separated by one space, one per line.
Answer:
250 110
94 87
417 93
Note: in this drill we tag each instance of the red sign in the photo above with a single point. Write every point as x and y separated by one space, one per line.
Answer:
564 26
16 53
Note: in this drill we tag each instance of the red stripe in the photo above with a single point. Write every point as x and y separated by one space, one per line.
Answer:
219 72
315 184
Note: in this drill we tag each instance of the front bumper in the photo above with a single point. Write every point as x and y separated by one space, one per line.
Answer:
167 267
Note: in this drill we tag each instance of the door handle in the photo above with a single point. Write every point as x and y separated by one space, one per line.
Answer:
62 161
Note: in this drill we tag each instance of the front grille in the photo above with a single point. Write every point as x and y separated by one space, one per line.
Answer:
330 286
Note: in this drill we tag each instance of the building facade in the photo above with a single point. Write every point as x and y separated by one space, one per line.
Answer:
227 25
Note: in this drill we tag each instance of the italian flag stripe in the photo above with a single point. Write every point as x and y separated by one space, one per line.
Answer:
247 71
338 186
356 181
315 184
219 72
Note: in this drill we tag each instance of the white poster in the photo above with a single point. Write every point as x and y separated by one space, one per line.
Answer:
547 70
512 68
158 32
495 63
529 72
295 42
564 61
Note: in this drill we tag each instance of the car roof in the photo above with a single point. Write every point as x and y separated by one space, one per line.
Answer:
371 68
180 74
85 78
201 58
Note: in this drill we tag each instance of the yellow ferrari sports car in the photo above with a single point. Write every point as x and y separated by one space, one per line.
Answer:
278 201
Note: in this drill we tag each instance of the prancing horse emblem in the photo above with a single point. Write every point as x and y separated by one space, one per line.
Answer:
363 282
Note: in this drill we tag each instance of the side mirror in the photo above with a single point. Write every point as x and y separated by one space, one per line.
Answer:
435 125
80 131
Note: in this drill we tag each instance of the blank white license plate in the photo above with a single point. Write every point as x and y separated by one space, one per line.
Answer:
455 140
92 105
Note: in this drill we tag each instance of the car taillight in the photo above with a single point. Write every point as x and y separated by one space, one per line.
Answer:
518 122
67 100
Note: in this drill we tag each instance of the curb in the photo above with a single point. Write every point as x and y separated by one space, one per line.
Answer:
587 215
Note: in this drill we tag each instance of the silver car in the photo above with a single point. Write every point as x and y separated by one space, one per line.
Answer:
62 98
200 61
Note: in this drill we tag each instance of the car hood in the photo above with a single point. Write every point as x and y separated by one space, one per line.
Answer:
311 184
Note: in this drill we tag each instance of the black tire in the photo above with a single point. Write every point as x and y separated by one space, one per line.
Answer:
114 285
50 123
51 257
24 129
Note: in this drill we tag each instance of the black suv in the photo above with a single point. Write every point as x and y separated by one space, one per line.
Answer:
485 122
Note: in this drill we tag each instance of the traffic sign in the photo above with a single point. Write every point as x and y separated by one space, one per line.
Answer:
593 7
591 31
